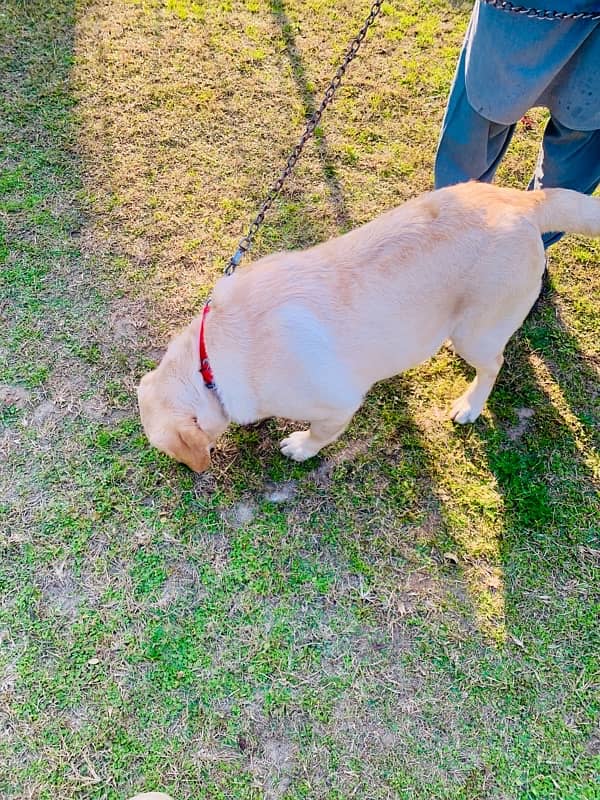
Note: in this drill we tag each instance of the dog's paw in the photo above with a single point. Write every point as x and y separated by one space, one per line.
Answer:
463 411
298 446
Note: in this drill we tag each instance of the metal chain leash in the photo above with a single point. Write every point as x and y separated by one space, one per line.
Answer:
502 5
537 13
246 242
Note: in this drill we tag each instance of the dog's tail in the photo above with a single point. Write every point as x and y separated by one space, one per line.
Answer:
566 210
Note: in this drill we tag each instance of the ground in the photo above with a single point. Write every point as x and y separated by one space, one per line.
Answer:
412 614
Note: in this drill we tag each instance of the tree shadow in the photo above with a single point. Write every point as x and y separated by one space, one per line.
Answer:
540 447
336 192
577 375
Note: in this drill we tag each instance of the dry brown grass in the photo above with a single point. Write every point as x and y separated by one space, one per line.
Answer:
409 617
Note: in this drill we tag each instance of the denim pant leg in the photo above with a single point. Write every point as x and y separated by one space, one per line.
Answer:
569 159
471 147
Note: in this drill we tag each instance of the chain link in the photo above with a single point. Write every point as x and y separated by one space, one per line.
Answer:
246 242
538 13
502 5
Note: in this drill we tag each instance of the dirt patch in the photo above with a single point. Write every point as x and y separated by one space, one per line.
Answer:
94 409
74 391
8 677
125 322
516 431
281 492
70 384
365 731
240 514
77 718
274 766
44 414
216 549
416 591
269 749
429 528
14 396
593 745
61 593
182 585
322 475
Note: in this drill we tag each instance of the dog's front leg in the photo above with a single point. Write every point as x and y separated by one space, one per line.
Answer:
301 445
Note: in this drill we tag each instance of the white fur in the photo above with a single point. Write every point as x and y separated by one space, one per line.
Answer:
304 335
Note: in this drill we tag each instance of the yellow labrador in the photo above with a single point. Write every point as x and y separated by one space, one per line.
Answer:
305 334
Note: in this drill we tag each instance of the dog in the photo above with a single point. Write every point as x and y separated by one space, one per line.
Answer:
305 334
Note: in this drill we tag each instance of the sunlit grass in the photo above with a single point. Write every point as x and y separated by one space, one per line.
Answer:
412 614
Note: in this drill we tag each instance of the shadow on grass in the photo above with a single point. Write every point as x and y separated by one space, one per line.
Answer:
539 447
512 497
336 192
374 513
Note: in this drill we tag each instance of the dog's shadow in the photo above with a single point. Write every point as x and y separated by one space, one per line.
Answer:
538 433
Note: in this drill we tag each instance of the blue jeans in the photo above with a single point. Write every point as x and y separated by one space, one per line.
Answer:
472 147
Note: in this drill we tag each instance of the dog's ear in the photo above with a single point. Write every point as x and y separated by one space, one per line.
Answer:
192 446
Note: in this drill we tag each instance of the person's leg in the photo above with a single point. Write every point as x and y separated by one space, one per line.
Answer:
470 147
568 159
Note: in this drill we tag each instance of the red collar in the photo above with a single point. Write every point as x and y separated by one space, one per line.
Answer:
205 368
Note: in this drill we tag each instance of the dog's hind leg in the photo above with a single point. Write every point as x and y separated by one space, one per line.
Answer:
301 445
481 336
470 404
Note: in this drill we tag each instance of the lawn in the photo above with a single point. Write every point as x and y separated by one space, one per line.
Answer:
411 615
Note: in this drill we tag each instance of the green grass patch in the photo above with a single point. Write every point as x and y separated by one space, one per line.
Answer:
411 615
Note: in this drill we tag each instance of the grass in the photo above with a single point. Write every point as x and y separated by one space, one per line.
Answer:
411 615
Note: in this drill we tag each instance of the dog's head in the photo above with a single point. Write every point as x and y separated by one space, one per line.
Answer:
180 415
170 427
